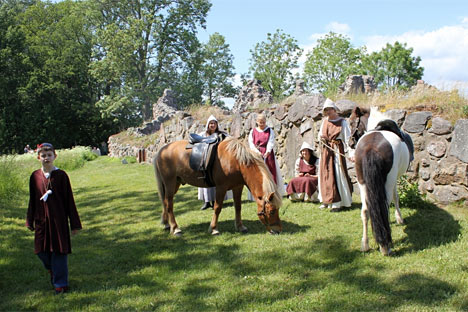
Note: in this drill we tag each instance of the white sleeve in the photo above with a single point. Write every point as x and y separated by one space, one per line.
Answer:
320 132
346 132
251 143
271 141
296 167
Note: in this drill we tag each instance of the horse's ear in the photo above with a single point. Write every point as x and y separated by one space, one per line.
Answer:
271 197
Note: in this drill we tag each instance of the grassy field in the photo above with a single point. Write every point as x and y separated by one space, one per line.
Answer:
123 260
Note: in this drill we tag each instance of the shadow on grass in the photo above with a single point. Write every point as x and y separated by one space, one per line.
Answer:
428 227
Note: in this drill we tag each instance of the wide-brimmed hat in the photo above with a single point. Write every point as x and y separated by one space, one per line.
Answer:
306 145
330 104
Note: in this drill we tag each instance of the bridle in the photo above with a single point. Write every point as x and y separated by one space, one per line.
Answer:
263 213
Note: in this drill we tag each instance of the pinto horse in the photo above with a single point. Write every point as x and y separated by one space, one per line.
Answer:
234 166
383 154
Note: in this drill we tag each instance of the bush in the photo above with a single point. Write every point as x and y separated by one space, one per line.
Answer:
409 194
70 159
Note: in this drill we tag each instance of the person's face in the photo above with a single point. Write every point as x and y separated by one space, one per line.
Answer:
261 123
330 112
212 126
305 153
47 158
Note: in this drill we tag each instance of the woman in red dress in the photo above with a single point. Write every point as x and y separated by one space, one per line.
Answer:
304 185
262 141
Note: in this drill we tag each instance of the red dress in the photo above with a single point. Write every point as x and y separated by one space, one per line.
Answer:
304 184
260 140
50 218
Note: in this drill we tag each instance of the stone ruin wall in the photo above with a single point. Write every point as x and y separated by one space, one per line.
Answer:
441 150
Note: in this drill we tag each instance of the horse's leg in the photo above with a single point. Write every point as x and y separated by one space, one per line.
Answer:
169 202
237 195
364 218
396 200
220 193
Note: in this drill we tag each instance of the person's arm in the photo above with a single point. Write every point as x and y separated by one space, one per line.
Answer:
251 143
271 142
75 222
296 167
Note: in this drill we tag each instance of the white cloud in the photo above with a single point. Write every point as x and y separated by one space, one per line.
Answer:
443 52
338 28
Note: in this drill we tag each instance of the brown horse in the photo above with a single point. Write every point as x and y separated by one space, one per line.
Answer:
234 166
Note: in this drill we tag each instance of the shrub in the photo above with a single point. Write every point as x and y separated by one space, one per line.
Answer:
69 159
409 194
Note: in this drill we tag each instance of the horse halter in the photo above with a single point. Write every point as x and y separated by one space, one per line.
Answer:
263 213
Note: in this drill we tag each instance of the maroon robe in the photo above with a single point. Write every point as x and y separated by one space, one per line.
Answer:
304 184
50 219
260 140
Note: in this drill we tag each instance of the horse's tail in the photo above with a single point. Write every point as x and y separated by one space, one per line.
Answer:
159 180
376 197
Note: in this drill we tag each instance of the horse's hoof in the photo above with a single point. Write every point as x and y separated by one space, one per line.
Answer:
365 248
272 232
386 251
401 222
242 229
166 227
177 232
215 232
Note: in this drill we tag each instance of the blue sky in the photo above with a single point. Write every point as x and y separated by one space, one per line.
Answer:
436 30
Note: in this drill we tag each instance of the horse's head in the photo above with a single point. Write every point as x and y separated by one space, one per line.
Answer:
268 212
358 125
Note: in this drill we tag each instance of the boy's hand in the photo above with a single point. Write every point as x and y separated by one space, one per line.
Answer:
74 232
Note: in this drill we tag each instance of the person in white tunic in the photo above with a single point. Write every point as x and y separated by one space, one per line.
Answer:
335 188
208 194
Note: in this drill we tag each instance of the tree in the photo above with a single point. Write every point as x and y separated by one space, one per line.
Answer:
48 93
142 47
273 62
217 70
393 67
330 62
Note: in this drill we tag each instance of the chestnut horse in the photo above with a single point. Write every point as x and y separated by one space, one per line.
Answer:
383 154
234 166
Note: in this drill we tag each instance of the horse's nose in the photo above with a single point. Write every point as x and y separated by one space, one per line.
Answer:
275 229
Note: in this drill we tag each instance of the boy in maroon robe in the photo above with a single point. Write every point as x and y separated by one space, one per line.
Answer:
51 205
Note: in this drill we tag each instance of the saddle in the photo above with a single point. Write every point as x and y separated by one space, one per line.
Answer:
203 154
390 125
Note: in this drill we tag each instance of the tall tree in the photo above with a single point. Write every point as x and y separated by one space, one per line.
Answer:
141 48
217 70
394 67
273 62
51 95
329 63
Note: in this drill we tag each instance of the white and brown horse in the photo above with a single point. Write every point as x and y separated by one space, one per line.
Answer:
234 166
383 154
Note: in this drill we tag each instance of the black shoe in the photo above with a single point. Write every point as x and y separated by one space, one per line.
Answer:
205 206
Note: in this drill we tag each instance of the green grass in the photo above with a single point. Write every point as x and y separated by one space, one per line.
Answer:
123 260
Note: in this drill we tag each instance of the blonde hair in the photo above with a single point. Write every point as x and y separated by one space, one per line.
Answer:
261 117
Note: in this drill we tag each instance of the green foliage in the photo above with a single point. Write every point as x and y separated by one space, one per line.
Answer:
11 184
273 62
394 67
465 111
330 62
217 70
45 88
409 194
70 159
143 47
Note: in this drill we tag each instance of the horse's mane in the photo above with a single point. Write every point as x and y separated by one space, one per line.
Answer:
246 157
374 118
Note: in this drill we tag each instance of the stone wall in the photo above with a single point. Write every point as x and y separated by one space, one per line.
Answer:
441 150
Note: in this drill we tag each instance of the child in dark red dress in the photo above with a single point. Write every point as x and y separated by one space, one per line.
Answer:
51 206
